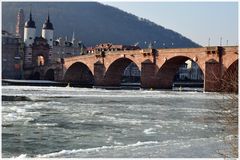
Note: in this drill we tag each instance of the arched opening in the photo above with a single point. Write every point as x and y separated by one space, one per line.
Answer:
78 74
229 82
49 75
180 72
122 71
188 71
131 74
35 76
40 60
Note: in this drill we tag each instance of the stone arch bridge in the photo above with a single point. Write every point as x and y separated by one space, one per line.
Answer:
157 66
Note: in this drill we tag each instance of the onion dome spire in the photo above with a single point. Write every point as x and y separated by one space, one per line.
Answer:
30 23
48 24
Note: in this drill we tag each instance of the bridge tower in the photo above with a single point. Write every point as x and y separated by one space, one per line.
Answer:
47 31
29 36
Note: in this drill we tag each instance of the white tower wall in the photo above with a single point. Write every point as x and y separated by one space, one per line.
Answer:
29 36
48 35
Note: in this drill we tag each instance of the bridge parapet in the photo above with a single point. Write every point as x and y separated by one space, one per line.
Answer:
213 50
181 50
75 58
231 49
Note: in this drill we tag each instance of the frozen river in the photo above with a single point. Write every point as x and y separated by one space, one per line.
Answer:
80 122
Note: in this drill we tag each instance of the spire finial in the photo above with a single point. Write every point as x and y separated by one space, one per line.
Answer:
48 18
30 12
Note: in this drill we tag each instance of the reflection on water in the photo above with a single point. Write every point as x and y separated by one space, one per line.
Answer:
79 122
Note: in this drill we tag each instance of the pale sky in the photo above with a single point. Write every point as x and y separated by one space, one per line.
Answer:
198 21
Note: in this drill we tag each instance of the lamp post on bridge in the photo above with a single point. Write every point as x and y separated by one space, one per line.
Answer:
151 44
163 45
103 55
209 42
220 41
153 50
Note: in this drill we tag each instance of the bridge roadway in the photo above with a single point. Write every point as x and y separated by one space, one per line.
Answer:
158 67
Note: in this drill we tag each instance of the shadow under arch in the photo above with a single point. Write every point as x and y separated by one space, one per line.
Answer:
49 75
78 74
229 81
35 76
166 73
113 75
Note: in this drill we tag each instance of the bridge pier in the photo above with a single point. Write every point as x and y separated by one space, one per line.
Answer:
212 78
59 74
148 72
99 71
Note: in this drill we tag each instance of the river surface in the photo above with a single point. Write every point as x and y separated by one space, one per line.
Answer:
81 122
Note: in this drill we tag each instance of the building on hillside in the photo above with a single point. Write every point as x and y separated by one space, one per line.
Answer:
11 58
110 47
65 48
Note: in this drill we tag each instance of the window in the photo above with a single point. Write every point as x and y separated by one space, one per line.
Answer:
40 60
30 37
50 39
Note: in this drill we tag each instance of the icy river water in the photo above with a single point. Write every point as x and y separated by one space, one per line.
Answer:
83 122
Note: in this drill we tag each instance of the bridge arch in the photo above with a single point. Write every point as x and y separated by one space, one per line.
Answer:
49 75
230 78
233 67
167 71
79 74
116 69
